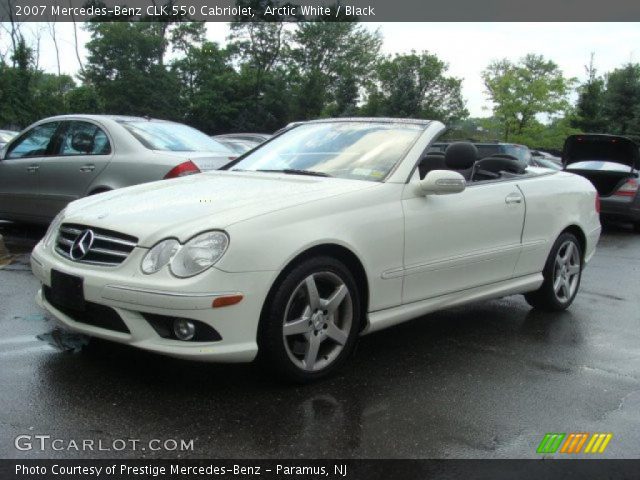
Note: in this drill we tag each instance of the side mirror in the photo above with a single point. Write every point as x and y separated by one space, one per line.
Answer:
442 182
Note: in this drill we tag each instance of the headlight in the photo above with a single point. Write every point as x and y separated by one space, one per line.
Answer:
199 253
53 228
160 255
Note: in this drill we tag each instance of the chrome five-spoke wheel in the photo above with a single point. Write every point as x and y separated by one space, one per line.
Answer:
317 321
561 275
312 319
566 273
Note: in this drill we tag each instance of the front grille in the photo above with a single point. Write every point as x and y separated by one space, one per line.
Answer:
94 314
108 248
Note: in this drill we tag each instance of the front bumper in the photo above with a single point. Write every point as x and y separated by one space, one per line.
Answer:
131 294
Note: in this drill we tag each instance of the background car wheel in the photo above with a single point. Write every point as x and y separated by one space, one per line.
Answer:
311 324
636 227
562 274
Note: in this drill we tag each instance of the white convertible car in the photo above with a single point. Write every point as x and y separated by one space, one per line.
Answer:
330 230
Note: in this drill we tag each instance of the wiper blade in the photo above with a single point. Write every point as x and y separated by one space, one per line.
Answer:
295 171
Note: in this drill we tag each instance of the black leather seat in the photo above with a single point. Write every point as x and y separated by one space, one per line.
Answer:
460 157
492 167
431 161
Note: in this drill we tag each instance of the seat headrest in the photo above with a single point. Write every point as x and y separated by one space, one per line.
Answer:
497 164
434 161
431 161
460 155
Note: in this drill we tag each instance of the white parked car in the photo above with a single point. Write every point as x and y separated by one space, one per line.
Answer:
331 230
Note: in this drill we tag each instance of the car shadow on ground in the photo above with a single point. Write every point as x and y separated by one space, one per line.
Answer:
408 371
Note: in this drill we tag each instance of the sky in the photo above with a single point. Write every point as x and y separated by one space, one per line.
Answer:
467 47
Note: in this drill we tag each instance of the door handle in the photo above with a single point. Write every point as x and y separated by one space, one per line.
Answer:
513 198
33 168
87 168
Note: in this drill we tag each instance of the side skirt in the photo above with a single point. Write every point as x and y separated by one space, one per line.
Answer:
392 316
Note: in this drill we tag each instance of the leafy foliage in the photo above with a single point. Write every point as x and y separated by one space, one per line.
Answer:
416 85
622 100
590 107
124 65
272 72
521 91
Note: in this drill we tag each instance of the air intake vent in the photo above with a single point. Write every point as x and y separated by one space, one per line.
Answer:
95 246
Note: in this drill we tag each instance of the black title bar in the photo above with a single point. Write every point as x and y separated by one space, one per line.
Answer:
313 10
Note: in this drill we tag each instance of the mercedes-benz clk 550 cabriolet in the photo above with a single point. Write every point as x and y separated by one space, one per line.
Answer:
328 231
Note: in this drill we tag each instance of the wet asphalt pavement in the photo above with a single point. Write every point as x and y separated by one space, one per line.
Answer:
486 380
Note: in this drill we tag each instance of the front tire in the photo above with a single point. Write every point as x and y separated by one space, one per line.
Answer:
562 274
311 324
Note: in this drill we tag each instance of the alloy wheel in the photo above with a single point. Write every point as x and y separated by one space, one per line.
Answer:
317 321
566 272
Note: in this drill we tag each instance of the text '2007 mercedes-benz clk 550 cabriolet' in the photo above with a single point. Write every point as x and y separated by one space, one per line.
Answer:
330 230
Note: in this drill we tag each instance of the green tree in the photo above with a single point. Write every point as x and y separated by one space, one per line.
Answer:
333 62
521 91
85 99
590 107
257 47
16 82
547 135
208 88
622 100
124 66
416 85
28 94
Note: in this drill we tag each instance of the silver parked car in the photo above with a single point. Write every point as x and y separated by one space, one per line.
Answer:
60 159
6 136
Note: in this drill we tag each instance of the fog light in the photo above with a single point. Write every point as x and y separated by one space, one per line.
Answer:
184 329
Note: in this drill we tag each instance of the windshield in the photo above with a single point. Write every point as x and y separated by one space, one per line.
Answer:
173 137
357 150
520 152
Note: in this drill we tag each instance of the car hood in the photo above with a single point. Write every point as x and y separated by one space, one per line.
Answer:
186 206
601 148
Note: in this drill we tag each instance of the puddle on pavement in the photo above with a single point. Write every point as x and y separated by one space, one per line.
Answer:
64 341
16 262
32 317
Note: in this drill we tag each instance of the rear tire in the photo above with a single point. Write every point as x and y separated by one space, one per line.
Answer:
636 227
562 274
311 323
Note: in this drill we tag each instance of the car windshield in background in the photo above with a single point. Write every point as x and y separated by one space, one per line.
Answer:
356 150
518 151
173 137
521 153
5 136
